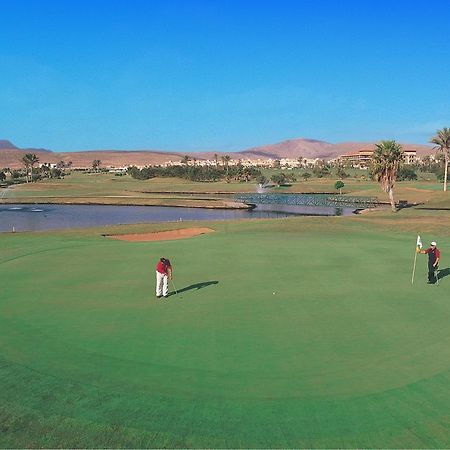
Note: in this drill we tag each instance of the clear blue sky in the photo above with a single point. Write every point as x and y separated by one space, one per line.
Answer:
221 75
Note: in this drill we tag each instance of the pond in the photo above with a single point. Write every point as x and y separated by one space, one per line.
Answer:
39 217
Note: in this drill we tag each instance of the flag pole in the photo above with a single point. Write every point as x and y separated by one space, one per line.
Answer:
418 247
414 268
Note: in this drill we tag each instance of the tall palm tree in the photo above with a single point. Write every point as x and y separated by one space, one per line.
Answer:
225 160
216 157
386 161
29 160
442 143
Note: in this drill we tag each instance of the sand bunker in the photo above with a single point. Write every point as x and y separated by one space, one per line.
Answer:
182 233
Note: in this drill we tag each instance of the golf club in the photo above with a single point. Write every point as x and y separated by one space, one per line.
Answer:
174 288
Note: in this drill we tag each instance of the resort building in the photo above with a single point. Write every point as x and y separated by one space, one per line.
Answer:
362 158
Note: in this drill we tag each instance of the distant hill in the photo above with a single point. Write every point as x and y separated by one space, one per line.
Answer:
10 155
292 148
4 144
310 148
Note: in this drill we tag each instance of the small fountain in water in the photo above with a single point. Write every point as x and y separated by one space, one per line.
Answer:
261 188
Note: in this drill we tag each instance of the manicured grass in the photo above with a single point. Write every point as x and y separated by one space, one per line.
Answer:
307 333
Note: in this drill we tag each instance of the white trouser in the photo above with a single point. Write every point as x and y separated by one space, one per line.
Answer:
162 284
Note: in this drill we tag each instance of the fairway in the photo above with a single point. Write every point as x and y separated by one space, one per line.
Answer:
299 332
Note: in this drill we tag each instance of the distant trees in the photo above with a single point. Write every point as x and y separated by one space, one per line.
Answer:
341 173
426 164
321 169
65 165
276 164
262 180
442 143
29 161
185 160
278 178
197 173
306 176
96 164
386 162
406 173
226 160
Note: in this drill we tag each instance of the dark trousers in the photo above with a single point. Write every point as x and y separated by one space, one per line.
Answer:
431 273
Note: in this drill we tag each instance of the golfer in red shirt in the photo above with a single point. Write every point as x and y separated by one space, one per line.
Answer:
163 275
434 255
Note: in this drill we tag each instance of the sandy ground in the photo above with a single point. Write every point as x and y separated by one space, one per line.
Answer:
182 233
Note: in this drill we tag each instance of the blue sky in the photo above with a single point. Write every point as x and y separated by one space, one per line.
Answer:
221 75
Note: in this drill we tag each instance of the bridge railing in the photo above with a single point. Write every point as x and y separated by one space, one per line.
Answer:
309 200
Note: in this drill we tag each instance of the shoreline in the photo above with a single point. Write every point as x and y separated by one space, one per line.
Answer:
231 205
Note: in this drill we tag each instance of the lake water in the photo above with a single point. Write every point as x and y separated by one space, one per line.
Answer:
47 217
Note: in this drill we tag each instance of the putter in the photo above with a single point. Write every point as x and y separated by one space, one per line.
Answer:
436 274
174 288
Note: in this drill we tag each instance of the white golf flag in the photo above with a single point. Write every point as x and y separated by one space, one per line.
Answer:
419 246
419 242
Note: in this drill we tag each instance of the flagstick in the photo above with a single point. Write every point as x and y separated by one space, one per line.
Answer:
414 268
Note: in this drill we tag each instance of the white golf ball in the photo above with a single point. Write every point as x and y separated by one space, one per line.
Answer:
273 293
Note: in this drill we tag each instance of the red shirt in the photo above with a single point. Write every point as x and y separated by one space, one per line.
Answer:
163 268
436 253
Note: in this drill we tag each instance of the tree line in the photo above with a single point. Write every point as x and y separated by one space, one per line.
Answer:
197 173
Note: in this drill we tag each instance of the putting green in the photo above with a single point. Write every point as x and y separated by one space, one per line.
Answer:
282 335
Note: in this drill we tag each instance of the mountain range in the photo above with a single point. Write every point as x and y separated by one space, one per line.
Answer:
10 155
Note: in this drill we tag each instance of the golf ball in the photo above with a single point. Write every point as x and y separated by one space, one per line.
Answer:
273 293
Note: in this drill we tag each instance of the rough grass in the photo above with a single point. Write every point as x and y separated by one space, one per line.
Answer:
346 353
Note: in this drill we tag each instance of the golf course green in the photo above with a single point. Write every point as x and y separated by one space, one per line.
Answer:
302 332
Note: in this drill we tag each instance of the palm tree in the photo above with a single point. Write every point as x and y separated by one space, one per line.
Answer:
96 164
216 157
301 161
185 160
442 143
225 160
386 161
29 160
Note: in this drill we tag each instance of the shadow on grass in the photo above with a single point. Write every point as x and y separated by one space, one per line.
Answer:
442 273
197 286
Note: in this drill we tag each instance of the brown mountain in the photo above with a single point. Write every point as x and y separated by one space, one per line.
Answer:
310 148
10 155
292 148
4 144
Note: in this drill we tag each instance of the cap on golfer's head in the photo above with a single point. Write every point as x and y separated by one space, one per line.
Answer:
433 244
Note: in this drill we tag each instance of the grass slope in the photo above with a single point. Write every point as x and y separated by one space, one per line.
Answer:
305 333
